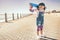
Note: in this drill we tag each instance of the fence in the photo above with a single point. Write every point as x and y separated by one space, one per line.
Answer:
6 17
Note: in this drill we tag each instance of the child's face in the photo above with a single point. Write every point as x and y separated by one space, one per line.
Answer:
41 7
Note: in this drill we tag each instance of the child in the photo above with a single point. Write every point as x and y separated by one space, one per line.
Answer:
40 18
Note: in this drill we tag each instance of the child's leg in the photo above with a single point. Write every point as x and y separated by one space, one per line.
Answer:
38 29
38 33
41 30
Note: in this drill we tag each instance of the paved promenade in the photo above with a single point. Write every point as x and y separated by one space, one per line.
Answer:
22 29
25 28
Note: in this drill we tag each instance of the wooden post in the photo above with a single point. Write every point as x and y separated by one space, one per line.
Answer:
13 16
6 17
17 16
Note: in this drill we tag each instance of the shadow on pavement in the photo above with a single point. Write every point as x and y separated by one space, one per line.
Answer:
46 38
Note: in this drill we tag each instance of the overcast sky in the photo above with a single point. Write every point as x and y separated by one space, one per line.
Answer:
22 6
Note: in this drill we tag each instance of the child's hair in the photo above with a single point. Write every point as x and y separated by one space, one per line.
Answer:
41 4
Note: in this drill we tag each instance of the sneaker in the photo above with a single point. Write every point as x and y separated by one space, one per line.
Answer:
42 36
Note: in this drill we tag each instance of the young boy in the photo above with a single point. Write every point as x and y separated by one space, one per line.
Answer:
40 18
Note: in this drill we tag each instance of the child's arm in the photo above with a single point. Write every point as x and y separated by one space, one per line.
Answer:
31 7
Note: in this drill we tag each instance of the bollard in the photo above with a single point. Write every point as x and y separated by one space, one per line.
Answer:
13 16
6 17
